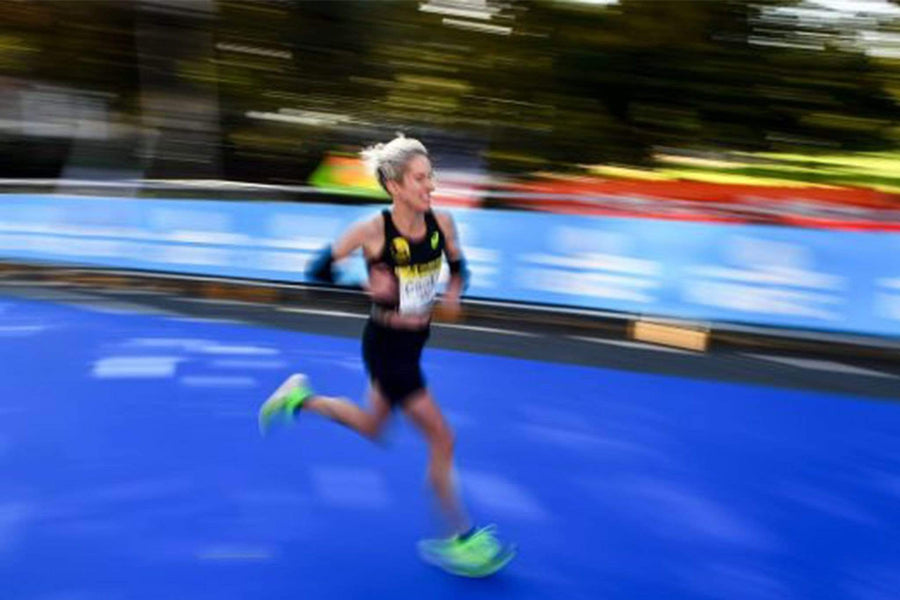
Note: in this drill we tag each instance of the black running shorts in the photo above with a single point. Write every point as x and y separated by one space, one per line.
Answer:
392 360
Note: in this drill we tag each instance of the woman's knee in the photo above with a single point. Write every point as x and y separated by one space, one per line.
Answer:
375 425
444 441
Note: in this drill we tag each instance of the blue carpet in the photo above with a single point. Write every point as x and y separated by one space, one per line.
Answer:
132 469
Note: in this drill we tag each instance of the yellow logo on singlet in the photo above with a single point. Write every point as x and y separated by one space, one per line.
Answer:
419 270
435 238
400 250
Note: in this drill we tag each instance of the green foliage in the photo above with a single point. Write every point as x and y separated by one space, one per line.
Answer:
555 84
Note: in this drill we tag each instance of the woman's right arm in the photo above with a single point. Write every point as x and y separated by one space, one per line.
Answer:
321 269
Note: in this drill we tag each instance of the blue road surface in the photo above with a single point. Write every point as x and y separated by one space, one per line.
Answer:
132 469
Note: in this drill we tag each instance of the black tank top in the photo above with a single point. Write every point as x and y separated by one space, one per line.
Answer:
415 263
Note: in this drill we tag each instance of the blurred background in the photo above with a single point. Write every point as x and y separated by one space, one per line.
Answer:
708 103
718 178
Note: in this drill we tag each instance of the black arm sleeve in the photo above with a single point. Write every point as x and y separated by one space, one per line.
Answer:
321 269
459 268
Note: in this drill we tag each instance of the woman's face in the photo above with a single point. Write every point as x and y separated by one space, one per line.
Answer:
416 186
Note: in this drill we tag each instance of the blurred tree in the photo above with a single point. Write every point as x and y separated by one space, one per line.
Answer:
544 84
704 75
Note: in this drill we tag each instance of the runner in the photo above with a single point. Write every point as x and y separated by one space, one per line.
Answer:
404 249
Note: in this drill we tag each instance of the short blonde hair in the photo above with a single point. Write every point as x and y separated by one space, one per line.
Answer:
388 161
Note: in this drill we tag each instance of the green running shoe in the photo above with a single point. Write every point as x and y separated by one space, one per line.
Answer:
284 403
477 555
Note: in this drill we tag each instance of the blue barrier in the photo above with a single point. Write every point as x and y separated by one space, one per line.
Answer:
800 278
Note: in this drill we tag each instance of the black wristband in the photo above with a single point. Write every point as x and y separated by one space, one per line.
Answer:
458 268
321 269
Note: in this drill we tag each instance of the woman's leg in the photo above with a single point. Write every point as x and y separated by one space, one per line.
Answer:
367 423
425 414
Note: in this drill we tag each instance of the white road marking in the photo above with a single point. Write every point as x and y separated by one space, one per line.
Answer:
236 553
820 365
183 319
217 381
248 364
232 350
221 301
484 329
630 344
323 312
111 307
19 330
137 367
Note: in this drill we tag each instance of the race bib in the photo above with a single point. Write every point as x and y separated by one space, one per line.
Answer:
418 287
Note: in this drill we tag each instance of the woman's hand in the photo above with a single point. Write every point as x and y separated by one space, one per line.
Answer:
448 310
